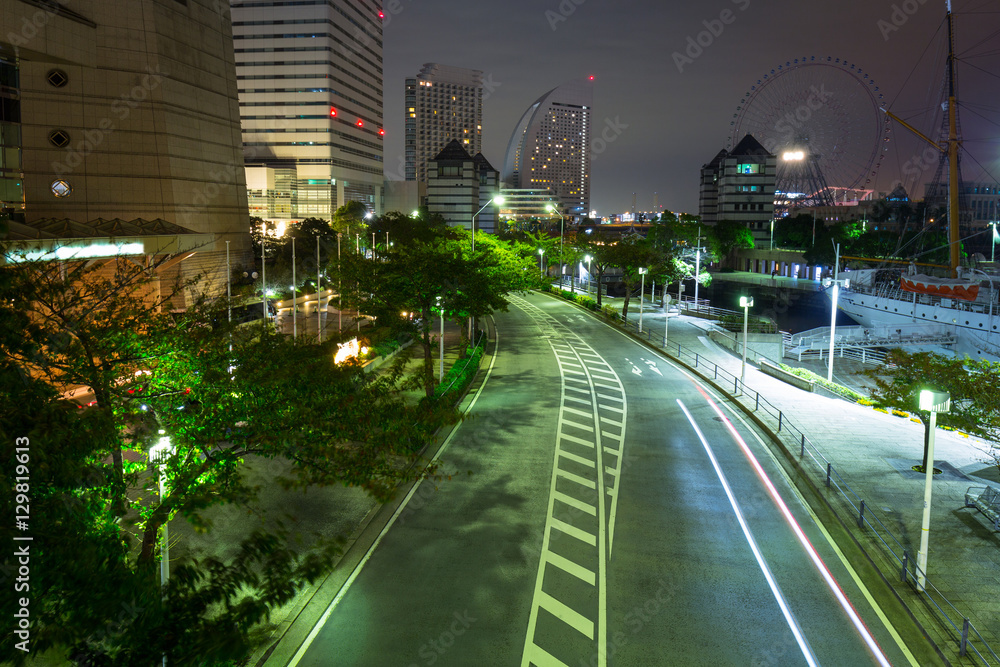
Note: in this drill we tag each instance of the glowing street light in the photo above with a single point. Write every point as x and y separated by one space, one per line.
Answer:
833 317
159 454
642 296
552 208
934 402
745 303
586 258
541 251
993 244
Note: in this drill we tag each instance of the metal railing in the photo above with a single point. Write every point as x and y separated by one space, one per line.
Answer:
955 623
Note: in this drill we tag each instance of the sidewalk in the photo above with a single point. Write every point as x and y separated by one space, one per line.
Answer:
873 453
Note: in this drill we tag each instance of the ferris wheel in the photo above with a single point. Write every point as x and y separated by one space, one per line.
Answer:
821 117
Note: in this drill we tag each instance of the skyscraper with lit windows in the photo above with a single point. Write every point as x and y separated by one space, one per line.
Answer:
442 103
550 147
310 89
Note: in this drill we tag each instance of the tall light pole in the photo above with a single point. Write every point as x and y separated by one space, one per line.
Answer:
993 243
745 303
833 316
158 456
697 269
587 259
642 296
541 251
441 339
319 316
229 285
340 290
562 220
935 402
263 269
498 200
295 321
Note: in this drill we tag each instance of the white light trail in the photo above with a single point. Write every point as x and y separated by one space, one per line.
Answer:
793 624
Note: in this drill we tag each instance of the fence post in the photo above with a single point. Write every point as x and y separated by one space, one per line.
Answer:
962 647
829 469
780 415
736 385
716 375
696 360
756 403
803 452
861 515
906 558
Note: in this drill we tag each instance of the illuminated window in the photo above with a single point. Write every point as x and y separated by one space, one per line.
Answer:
747 168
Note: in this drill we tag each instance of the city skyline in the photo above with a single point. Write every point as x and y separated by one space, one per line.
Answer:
647 60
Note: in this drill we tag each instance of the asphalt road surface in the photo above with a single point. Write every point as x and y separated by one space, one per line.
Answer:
604 508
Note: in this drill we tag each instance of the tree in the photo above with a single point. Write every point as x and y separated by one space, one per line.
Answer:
221 394
630 254
974 387
729 235
600 247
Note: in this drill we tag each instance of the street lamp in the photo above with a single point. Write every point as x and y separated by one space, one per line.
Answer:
993 245
833 316
934 402
498 200
158 456
295 322
541 251
745 303
642 296
587 258
562 220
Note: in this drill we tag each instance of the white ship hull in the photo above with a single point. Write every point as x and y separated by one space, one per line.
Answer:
976 325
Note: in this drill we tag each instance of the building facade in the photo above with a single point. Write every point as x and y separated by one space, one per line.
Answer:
310 91
738 185
550 147
443 103
460 186
125 110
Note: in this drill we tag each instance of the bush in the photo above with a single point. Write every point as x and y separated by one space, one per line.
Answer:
611 313
460 375
586 302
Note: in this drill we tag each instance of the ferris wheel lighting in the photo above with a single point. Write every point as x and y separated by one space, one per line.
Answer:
793 155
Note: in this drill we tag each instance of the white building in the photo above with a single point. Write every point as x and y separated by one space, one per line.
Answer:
442 103
310 90
550 147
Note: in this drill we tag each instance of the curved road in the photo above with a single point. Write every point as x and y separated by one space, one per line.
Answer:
603 508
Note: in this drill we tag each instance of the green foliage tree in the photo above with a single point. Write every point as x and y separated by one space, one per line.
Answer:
222 394
727 236
630 254
974 388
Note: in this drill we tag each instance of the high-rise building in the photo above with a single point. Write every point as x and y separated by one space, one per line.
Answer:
550 147
738 185
310 89
442 103
119 119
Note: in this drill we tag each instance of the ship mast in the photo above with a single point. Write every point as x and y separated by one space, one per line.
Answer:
950 148
953 142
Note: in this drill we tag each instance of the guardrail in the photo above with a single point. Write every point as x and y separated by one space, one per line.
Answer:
867 518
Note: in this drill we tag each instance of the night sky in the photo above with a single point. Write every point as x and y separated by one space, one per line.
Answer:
678 120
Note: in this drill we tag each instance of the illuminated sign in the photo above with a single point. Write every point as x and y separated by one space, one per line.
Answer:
67 252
